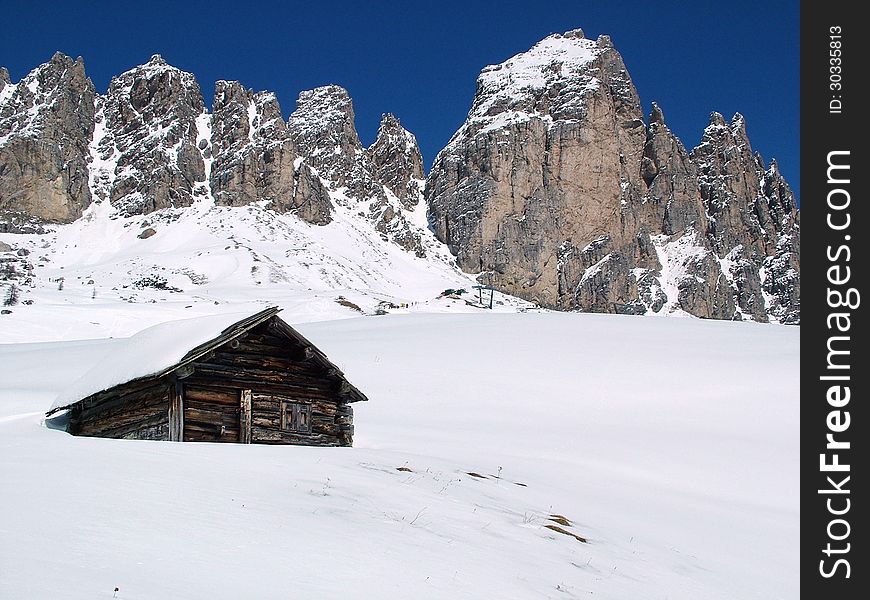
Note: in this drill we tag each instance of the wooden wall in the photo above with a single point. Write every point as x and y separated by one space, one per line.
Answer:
139 410
274 369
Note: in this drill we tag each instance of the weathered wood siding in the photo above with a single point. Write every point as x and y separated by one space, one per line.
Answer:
211 413
273 369
139 410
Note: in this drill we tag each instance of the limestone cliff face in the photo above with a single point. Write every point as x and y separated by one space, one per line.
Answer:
396 161
253 160
556 190
46 122
754 223
145 154
323 132
541 169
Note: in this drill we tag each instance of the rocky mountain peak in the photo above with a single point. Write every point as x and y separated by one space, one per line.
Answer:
396 161
716 120
754 222
60 61
656 116
741 139
324 120
145 156
604 41
558 63
158 89
556 191
253 159
256 116
322 129
391 127
511 194
150 144
324 134
46 121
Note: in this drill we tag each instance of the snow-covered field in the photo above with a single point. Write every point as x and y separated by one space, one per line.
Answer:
670 444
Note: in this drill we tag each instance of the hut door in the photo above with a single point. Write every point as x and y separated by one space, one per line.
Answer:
211 414
245 417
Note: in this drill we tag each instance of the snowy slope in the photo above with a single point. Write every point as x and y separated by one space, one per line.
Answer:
206 259
669 443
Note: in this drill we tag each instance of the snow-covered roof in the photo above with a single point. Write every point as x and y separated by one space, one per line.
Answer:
156 351
151 352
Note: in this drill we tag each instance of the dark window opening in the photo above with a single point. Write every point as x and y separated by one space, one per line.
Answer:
295 417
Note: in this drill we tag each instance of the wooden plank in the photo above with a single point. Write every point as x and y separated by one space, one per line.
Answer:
176 411
119 391
261 435
234 373
211 414
212 395
270 421
212 428
245 417
217 417
263 349
277 385
215 429
274 417
271 369
197 436
325 428
252 360
285 365
192 435
265 403
264 337
153 432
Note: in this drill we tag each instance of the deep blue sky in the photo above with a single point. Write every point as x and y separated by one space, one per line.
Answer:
420 60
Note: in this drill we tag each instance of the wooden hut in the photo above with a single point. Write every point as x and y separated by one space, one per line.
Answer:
256 380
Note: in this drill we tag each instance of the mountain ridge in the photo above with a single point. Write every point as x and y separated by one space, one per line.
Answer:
631 222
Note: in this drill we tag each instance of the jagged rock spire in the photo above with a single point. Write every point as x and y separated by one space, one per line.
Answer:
397 162
253 159
149 119
656 116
